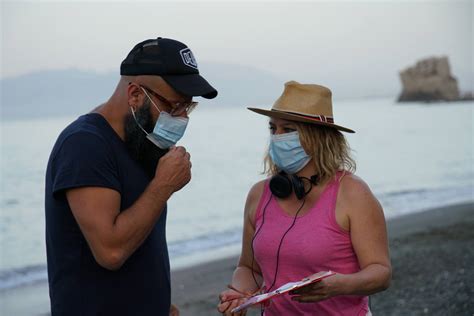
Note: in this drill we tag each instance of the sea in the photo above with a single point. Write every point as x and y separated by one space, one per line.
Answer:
414 157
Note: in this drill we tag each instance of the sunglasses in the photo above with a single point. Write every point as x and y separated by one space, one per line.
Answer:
177 108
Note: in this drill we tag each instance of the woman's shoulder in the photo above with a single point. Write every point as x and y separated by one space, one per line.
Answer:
354 191
256 191
349 180
253 198
353 187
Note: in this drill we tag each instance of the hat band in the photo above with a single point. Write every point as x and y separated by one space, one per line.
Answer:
320 118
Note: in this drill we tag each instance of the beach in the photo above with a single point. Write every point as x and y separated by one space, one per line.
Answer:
431 253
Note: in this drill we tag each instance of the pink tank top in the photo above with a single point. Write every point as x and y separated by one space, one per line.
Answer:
315 243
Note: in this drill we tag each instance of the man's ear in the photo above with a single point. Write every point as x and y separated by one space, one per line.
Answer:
135 95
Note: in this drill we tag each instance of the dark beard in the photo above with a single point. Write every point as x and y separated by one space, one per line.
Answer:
143 151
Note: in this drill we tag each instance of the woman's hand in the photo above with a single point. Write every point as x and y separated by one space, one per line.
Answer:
230 299
174 311
318 291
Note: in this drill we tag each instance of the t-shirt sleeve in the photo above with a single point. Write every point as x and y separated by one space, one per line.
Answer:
84 159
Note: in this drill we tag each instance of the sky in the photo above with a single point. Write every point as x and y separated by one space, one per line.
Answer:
360 45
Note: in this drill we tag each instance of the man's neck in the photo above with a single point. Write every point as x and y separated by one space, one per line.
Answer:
114 115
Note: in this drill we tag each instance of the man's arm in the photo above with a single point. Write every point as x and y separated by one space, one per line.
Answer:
113 235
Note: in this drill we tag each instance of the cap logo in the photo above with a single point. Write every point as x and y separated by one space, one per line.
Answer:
188 58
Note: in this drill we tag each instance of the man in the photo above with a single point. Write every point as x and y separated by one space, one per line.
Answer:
106 193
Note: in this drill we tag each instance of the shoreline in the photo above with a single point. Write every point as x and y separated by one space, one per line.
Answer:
195 288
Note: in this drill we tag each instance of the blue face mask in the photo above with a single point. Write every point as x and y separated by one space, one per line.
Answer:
168 129
287 153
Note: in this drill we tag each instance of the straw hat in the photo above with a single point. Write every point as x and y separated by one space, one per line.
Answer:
308 103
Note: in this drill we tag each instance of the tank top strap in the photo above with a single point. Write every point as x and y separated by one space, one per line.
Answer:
330 193
330 199
264 199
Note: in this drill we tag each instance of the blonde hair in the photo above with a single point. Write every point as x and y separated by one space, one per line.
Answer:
328 148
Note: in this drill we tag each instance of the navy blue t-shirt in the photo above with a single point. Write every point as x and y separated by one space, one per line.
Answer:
89 153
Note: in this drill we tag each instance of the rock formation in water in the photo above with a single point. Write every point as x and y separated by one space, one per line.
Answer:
429 80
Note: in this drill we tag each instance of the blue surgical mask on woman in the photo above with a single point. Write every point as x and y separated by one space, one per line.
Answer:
287 153
168 129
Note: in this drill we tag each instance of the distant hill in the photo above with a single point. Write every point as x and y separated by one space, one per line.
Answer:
54 93
73 92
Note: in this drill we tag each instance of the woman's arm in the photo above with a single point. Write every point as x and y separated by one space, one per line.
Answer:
242 279
369 238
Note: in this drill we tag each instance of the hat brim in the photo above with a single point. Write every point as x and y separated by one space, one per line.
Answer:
299 118
192 85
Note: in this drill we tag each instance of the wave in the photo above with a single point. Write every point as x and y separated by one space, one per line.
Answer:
398 203
22 276
205 242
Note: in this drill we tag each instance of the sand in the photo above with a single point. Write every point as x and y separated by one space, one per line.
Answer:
432 256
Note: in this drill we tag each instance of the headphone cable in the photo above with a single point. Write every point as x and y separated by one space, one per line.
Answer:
262 310
281 242
253 239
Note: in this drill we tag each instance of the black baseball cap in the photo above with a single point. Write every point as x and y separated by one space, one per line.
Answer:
171 60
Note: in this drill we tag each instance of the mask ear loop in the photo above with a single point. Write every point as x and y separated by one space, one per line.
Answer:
136 121
151 100
133 111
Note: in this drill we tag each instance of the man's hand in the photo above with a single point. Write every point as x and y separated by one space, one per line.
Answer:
174 311
174 170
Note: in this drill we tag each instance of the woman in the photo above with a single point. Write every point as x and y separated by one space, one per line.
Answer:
311 215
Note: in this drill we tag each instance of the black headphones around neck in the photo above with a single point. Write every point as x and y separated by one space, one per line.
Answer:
282 184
